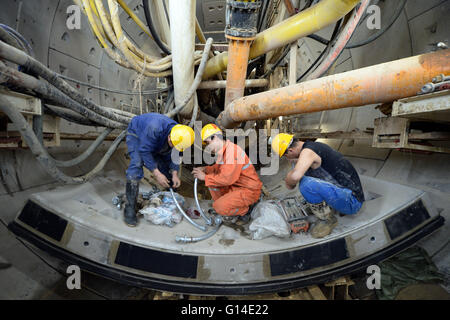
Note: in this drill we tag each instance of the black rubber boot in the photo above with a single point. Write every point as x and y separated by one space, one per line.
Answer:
131 192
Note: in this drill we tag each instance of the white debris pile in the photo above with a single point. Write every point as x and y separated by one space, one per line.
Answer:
162 210
268 220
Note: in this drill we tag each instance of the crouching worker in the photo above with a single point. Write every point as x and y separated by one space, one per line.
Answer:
150 139
327 180
232 181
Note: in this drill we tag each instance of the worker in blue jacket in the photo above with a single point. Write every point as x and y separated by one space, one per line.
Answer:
150 139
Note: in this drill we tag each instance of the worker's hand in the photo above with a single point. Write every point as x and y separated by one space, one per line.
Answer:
176 181
199 174
162 179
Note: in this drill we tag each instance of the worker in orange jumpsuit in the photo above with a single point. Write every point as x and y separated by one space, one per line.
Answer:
232 181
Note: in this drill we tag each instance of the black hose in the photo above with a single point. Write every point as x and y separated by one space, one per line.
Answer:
94 145
272 68
68 115
148 17
318 39
262 15
147 92
53 94
333 37
169 101
370 39
20 38
380 32
5 36
42 155
29 63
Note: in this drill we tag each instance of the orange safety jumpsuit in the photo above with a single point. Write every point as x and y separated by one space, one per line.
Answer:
232 181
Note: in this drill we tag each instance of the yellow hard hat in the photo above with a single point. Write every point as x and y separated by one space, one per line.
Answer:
209 130
281 142
182 137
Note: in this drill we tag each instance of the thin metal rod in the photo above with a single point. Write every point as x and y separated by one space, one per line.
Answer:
208 220
203 228
186 239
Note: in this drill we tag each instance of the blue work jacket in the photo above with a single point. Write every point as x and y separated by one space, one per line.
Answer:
152 130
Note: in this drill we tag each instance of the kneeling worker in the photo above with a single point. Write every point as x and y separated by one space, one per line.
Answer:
326 179
232 181
150 139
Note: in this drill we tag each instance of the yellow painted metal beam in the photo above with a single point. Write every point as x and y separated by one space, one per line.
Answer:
300 25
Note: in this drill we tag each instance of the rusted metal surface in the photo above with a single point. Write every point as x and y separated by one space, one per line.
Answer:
237 68
393 133
290 8
432 106
375 84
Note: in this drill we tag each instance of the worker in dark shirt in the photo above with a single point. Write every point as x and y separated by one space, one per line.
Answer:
327 180
150 139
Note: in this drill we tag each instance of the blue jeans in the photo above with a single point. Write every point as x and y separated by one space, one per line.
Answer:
135 169
341 199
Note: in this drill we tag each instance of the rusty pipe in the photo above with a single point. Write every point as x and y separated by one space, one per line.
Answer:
238 51
380 83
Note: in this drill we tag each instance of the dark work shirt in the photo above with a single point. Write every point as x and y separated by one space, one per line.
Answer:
335 169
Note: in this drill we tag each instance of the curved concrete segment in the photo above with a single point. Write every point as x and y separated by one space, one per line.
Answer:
80 224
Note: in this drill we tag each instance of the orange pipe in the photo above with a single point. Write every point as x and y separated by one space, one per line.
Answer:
380 83
238 52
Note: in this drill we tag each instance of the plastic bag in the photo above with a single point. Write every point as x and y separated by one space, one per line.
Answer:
268 220
165 214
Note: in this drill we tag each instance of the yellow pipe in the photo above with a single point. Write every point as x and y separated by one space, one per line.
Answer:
300 25
99 33
106 21
134 17
138 65
199 32
101 26
94 26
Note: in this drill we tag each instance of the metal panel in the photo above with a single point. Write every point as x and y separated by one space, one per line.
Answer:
406 220
231 268
316 256
26 104
78 70
385 48
214 15
432 106
80 44
430 27
130 27
89 244
35 22
43 221
368 240
154 261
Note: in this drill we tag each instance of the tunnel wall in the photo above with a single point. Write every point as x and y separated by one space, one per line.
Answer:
76 54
